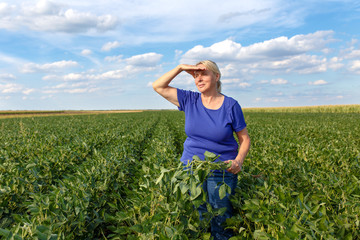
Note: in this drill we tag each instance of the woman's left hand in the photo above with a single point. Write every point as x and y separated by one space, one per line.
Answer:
235 166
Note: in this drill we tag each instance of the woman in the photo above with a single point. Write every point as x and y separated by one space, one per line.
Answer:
210 120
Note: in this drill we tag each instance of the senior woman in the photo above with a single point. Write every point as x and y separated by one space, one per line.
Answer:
211 118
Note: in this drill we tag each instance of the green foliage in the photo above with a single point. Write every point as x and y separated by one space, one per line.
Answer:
309 187
117 176
351 108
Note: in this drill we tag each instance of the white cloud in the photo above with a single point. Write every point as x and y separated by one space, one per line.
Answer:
11 88
110 45
318 82
82 77
73 77
304 64
138 62
147 59
72 88
281 54
7 59
48 67
5 97
353 54
355 66
51 77
48 16
113 74
6 9
134 65
232 70
244 84
7 77
278 81
28 91
264 82
42 7
231 80
72 21
178 53
278 48
86 52
226 49
227 17
118 58
335 63
283 47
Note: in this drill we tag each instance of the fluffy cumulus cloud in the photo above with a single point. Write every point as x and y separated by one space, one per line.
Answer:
352 53
355 66
10 88
147 59
349 58
15 88
96 81
49 16
274 49
301 54
142 60
335 63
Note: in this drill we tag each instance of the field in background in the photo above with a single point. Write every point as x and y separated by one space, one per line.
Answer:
116 176
15 114
354 108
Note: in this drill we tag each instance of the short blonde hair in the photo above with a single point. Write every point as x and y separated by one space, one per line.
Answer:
212 66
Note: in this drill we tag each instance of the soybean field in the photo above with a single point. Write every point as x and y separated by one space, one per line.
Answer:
117 176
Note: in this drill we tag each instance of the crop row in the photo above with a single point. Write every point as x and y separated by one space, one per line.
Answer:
63 172
117 176
310 187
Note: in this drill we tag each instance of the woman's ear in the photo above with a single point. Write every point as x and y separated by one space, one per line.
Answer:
217 77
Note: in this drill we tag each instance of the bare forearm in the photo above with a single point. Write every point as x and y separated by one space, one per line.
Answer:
237 163
165 79
243 151
161 85
244 142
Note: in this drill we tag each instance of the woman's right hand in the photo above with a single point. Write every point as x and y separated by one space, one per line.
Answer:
190 69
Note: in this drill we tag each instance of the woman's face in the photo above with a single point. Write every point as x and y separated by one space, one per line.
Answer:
205 80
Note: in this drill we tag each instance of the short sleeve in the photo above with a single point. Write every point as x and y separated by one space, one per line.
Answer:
181 96
238 120
185 97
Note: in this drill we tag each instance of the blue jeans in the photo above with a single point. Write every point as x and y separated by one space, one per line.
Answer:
212 188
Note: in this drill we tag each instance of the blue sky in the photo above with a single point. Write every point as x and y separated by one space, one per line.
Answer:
85 55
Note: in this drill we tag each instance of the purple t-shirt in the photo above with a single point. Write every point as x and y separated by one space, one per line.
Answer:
210 130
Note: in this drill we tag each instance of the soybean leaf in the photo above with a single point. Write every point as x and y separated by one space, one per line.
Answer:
222 191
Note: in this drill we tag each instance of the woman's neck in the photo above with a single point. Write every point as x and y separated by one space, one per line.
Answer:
211 94
212 101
